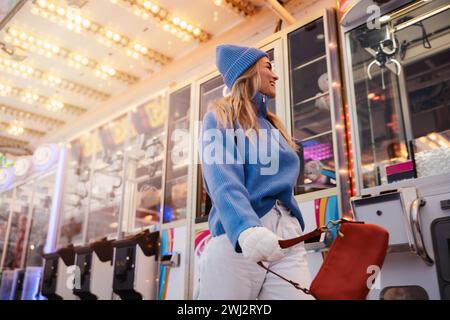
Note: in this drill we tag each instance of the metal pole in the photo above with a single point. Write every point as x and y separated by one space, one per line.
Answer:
8 228
57 202
124 178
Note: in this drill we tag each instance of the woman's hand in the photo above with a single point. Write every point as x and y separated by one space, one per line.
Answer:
260 244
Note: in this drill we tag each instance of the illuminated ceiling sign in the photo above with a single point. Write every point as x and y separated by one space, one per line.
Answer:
45 156
22 167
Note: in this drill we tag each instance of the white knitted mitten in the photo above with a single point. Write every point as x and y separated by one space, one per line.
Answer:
260 244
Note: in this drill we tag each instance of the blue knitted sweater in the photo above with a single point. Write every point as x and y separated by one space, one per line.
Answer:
240 194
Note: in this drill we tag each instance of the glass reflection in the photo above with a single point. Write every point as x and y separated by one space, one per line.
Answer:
42 204
210 90
146 156
175 199
381 131
16 240
107 181
310 103
428 83
402 102
311 37
77 191
310 80
6 200
312 118
317 169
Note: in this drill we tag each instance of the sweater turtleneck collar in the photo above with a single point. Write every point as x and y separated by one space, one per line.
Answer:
260 102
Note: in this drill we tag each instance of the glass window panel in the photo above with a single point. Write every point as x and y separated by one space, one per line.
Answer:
175 199
309 81
148 201
310 36
428 83
312 117
378 107
6 199
77 186
424 108
42 204
107 181
146 157
209 91
18 227
317 171
310 101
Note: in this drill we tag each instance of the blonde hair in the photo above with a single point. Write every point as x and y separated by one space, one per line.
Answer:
238 106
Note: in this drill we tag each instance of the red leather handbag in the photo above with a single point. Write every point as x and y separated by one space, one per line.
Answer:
358 251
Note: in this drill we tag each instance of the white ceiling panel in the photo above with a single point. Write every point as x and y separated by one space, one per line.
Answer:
117 16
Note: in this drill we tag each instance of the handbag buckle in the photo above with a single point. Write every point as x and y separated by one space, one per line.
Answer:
333 224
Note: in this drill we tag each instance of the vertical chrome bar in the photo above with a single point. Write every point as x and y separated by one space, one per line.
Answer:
88 200
8 228
190 197
28 226
124 177
57 201
163 190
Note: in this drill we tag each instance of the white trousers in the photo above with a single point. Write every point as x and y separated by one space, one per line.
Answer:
227 275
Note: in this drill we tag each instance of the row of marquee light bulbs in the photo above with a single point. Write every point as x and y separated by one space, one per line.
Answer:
74 21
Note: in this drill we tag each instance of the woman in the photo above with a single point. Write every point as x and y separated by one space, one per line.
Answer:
252 201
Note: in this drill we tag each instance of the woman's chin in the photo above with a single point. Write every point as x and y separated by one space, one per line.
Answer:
269 94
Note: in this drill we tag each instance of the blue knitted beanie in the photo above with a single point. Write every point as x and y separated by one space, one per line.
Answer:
232 61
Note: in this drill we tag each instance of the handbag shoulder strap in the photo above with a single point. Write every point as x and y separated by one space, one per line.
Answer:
289 243
295 284
317 232
292 242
